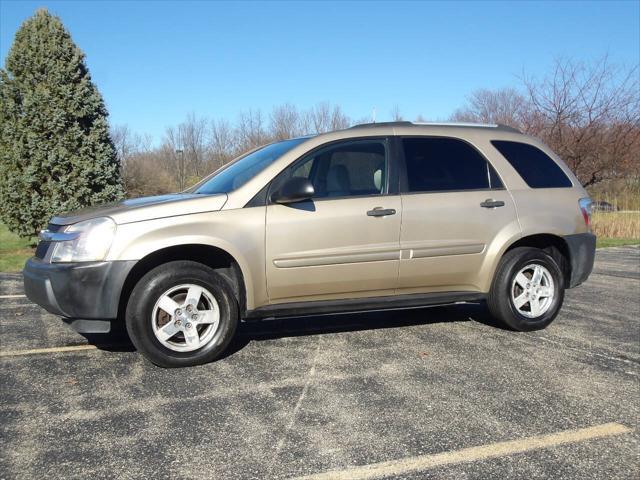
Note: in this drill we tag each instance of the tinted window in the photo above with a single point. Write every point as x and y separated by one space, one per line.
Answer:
244 169
344 169
441 164
534 166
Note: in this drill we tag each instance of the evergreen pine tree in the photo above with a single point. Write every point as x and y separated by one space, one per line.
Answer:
55 151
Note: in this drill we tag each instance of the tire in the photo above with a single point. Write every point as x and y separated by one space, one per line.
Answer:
509 290
204 326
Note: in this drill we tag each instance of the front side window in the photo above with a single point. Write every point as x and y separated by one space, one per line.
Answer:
535 167
245 168
437 164
346 169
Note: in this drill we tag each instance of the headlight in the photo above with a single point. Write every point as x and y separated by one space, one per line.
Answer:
89 241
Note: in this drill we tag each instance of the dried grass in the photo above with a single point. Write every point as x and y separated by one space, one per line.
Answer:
616 224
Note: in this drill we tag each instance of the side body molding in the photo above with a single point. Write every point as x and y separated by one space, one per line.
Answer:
336 256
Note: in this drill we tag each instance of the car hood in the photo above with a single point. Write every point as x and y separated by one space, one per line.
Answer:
147 208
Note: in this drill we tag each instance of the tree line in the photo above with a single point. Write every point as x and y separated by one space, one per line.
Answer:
198 145
588 113
57 152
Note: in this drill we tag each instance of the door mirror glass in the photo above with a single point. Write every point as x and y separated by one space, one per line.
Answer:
296 189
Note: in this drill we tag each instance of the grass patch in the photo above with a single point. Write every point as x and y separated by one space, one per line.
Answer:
623 225
616 229
14 250
623 193
603 242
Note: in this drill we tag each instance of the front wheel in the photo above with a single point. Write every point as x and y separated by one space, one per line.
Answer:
181 313
527 290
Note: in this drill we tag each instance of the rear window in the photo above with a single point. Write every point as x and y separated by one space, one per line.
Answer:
535 167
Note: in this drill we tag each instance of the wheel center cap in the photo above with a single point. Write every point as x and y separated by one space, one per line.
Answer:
186 316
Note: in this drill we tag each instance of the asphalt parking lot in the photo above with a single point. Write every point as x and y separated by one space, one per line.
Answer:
428 393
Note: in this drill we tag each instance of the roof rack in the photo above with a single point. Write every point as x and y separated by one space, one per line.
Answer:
383 124
497 126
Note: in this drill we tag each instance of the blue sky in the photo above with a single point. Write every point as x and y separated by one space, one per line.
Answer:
155 62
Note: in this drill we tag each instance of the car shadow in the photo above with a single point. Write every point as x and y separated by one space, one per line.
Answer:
352 322
115 341
270 329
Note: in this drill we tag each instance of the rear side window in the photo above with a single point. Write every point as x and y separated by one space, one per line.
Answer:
445 164
535 167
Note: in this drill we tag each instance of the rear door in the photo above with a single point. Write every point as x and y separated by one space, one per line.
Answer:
336 245
454 211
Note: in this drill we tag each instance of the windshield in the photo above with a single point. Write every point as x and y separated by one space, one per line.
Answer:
241 171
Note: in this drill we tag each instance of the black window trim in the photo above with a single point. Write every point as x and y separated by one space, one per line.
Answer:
404 180
391 187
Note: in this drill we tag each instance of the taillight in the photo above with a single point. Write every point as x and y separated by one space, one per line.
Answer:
585 208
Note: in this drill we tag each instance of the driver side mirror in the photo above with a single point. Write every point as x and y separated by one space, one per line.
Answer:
296 189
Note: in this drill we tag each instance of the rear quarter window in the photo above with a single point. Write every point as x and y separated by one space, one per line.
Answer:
535 167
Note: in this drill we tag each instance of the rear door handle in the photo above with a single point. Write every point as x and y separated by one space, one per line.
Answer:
491 203
381 212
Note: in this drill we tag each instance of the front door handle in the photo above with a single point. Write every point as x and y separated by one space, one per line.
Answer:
381 212
491 203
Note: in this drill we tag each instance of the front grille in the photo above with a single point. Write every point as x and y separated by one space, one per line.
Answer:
43 247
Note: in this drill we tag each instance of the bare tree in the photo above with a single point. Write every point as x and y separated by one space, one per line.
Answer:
184 150
590 115
250 130
128 143
323 118
339 121
396 116
129 146
120 135
148 175
222 143
285 122
319 118
360 121
505 106
193 131
172 156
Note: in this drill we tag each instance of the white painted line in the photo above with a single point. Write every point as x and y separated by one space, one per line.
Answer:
404 466
36 351
13 296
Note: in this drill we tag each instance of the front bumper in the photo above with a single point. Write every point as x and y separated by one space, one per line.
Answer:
86 293
582 252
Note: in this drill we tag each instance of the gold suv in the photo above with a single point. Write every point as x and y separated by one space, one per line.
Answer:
378 216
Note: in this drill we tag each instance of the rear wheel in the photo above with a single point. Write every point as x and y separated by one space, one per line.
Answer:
527 290
181 313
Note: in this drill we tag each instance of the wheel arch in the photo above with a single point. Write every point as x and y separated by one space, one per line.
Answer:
554 245
214 257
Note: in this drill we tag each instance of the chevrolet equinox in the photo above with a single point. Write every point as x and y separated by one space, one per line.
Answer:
377 216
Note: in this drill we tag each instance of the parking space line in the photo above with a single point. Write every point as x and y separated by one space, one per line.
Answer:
12 296
36 351
472 454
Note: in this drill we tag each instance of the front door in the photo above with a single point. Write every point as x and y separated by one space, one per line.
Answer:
336 245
